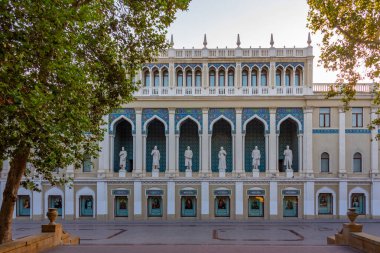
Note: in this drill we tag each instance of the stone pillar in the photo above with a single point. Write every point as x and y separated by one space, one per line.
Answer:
308 142
375 199
272 143
70 171
273 200
171 200
249 83
104 155
139 145
309 200
238 73
239 144
272 75
343 199
342 143
239 202
172 150
102 201
177 165
37 203
171 75
205 198
69 202
300 152
266 153
112 147
6 166
205 75
374 145
205 143
137 200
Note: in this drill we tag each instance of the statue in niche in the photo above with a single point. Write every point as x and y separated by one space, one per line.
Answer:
256 158
288 158
188 158
222 159
156 158
123 158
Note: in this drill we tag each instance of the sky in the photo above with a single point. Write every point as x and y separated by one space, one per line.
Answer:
254 20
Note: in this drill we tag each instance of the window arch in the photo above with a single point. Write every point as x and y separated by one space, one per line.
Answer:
297 77
244 78
278 77
179 78
264 77
156 78
165 78
189 78
287 77
254 77
198 78
221 76
212 78
231 77
325 162
146 78
357 162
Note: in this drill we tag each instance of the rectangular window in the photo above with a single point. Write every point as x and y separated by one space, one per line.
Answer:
55 201
358 202
325 203
23 205
222 206
121 206
256 206
86 206
325 164
188 206
324 117
357 117
154 206
290 206
87 165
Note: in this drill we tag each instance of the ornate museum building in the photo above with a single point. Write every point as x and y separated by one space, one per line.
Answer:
232 133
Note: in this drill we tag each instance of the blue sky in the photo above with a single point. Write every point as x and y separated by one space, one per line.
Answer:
254 20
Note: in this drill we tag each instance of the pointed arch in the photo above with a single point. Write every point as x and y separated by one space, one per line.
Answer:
118 120
186 118
54 191
222 117
147 122
255 116
359 189
82 192
289 116
325 189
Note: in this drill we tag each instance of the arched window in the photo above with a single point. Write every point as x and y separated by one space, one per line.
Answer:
287 77
264 77
357 162
297 78
230 78
198 78
189 77
325 162
244 78
156 78
221 77
147 78
278 77
212 78
165 78
254 77
179 78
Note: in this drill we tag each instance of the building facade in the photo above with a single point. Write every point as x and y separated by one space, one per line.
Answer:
241 99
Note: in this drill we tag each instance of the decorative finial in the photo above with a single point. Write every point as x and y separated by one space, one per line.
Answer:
271 40
238 41
309 40
205 42
171 41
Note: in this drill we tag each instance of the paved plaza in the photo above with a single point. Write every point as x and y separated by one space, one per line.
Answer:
281 236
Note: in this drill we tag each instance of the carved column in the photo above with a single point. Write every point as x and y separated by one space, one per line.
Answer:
308 142
238 143
374 144
104 154
205 142
272 142
172 149
139 144
342 142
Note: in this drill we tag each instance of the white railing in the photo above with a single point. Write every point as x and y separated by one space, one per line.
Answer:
325 87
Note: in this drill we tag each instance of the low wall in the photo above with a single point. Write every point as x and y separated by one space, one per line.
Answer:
365 242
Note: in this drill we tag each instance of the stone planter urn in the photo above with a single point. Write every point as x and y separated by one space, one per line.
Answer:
351 214
52 215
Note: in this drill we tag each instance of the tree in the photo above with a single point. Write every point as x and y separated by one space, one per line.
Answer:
63 65
351 42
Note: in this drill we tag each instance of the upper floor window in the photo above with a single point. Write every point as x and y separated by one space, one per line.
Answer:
221 78
357 117
165 78
254 78
325 162
324 117
87 165
357 163
179 78
278 77
198 78
156 78
212 78
244 78
147 78
230 78
264 77
297 78
287 77
189 77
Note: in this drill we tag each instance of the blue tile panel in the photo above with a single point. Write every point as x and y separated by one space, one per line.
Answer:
195 113
157 65
225 65
326 131
286 64
295 112
126 112
149 113
263 113
188 65
358 131
259 65
214 113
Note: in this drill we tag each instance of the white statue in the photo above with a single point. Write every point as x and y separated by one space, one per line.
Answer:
256 158
222 159
123 158
156 158
288 154
188 158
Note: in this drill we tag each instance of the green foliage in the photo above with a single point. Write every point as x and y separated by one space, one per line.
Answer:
64 64
351 42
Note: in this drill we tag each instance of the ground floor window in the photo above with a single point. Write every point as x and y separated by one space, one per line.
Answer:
155 206
188 206
121 206
55 201
290 206
23 205
358 202
222 206
325 203
256 206
86 206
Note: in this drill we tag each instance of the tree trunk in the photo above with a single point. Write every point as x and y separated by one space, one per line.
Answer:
17 169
